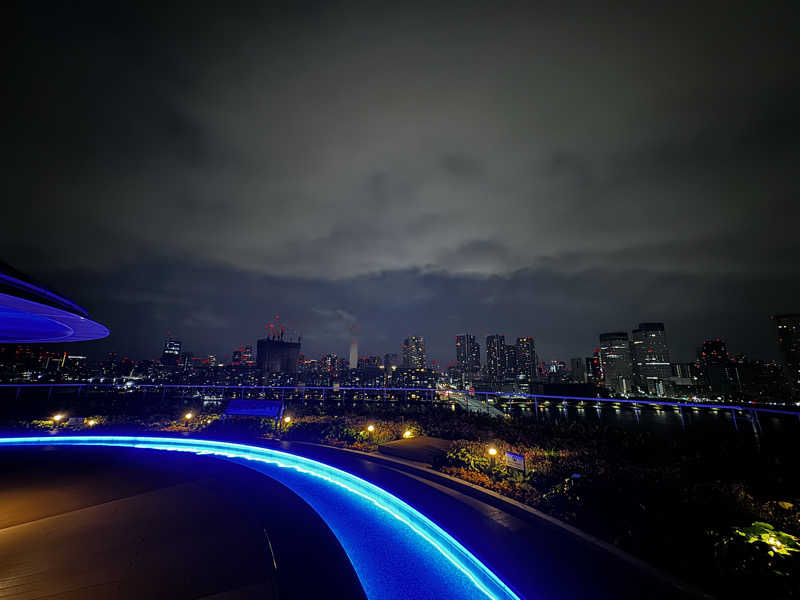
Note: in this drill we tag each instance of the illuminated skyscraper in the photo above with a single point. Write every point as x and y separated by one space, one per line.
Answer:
329 364
414 352
526 358
468 354
247 356
495 357
650 353
788 330
172 353
615 356
236 357
594 368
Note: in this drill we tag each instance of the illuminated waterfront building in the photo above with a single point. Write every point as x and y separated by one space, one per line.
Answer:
495 357
788 332
171 355
650 353
414 352
526 358
468 354
615 356
247 356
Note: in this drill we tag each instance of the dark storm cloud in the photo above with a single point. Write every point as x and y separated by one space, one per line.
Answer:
553 171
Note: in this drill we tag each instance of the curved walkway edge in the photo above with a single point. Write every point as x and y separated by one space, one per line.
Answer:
424 472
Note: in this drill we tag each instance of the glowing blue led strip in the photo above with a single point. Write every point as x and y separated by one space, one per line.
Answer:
483 579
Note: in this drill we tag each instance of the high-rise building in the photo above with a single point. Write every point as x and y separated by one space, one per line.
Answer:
414 352
526 358
370 362
615 356
247 356
718 371
468 354
788 330
353 353
650 353
328 364
577 369
172 353
495 357
512 368
274 355
186 360
594 368
236 356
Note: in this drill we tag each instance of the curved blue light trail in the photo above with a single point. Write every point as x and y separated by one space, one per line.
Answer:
25 321
396 551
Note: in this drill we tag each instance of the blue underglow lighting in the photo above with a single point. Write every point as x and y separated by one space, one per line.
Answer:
25 321
396 551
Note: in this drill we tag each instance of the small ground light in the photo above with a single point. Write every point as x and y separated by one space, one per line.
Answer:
91 422
407 433
188 416
287 419
492 451
371 428
57 418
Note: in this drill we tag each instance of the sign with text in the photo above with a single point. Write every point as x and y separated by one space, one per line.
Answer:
254 408
515 461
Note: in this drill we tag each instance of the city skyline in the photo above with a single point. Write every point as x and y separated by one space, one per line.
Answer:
469 349
445 352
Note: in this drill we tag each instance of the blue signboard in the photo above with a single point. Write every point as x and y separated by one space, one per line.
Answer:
515 461
255 408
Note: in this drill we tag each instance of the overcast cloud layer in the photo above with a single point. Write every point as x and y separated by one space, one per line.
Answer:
555 172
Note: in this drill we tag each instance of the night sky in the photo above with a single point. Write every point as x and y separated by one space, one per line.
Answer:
426 169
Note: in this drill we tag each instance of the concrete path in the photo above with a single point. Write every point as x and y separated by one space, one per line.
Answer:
419 449
114 523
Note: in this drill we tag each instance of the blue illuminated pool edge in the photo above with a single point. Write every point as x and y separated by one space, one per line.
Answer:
478 573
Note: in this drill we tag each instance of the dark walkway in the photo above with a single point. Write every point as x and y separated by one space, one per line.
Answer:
420 449
103 523
536 558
